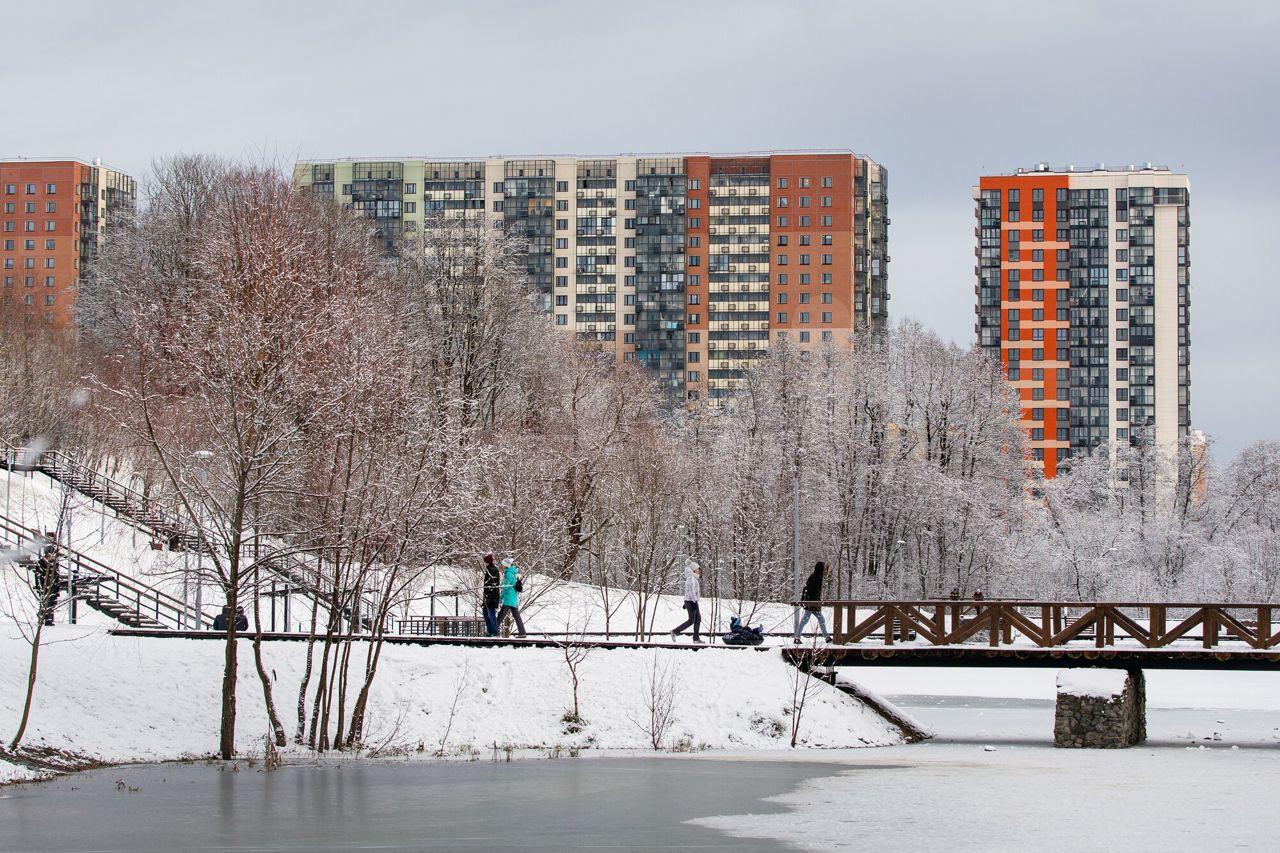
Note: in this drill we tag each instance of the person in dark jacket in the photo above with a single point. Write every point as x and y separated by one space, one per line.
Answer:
813 592
220 621
489 595
46 581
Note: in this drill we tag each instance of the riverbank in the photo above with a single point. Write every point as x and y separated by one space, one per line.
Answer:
124 699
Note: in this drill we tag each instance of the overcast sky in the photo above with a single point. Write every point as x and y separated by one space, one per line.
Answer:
938 92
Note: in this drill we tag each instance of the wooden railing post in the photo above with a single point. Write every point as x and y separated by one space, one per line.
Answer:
1264 627
1046 624
888 624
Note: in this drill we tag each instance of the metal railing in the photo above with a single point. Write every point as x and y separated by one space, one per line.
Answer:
83 573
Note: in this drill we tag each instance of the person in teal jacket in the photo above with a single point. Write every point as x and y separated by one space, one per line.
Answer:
511 595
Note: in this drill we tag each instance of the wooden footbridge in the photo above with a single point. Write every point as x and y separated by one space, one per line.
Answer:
992 633
1017 633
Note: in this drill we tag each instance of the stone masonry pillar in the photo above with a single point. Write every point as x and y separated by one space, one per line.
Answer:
1100 708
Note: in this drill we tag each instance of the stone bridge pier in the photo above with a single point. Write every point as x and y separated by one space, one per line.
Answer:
1100 708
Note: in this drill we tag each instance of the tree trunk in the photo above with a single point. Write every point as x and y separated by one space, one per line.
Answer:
31 680
277 729
227 743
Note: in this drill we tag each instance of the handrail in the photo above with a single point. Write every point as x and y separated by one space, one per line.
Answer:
287 566
121 581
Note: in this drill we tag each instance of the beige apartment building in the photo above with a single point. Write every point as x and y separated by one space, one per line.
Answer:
691 264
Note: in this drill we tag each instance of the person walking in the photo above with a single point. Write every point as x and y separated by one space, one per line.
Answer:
692 591
512 586
489 595
812 593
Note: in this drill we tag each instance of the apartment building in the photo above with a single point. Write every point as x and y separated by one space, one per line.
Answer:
54 217
1083 291
691 264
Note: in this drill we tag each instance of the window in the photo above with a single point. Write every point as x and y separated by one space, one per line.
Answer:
782 278
826 299
804 336
806 240
826 221
695 241
410 189
30 207
782 299
826 181
1122 235
806 201
694 376
826 201
782 221
695 337
410 207
695 298
562 281
826 260
695 203
31 189
782 239
804 278
805 183
826 239
562 263
804 221
804 316
695 184
782 260
562 225
782 316
562 204
826 316
562 186
562 242
1122 394
562 319
805 297
782 183
561 299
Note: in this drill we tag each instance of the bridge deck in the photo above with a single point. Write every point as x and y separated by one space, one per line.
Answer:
1082 655
1226 656
530 642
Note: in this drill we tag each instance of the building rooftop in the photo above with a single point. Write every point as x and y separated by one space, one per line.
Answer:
96 161
455 158
1072 169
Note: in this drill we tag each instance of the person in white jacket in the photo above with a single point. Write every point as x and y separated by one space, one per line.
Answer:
691 593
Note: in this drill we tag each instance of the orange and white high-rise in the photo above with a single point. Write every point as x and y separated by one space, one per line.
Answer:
1083 291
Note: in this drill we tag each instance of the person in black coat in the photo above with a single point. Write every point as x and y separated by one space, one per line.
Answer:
46 582
489 596
220 621
813 592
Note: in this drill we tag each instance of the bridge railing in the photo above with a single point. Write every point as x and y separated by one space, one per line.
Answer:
1050 624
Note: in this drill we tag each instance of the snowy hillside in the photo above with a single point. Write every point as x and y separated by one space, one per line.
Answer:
128 699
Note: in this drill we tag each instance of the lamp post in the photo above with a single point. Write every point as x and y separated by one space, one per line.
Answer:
202 475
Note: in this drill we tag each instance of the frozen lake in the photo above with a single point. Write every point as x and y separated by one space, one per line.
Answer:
990 782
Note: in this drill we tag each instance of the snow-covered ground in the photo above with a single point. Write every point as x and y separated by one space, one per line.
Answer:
120 699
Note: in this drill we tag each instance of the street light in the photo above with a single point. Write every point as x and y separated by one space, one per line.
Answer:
202 475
